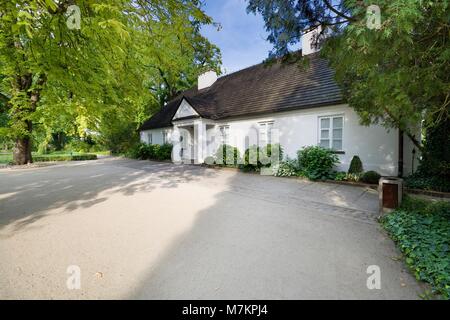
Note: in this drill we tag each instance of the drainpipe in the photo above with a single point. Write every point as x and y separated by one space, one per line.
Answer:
400 153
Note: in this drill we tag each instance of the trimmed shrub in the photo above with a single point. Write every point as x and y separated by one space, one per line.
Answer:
256 158
356 166
370 177
227 155
84 157
64 157
317 162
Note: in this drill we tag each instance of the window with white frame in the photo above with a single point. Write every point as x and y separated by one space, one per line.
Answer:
331 132
224 134
149 138
265 136
165 136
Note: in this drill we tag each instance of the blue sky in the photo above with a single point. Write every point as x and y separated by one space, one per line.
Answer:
242 37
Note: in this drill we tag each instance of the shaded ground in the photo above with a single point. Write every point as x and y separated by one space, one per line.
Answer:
143 230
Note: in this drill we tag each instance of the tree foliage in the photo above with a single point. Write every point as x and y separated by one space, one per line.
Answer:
126 59
396 75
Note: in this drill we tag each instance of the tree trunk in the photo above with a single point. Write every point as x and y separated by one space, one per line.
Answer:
22 148
22 151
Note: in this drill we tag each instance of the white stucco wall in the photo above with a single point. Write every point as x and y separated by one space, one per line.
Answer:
157 135
376 146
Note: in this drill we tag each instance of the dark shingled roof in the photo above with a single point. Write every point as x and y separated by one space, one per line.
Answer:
257 90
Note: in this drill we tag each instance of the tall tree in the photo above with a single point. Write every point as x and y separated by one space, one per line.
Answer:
78 63
178 53
396 75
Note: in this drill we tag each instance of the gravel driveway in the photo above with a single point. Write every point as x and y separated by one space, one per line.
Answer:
138 229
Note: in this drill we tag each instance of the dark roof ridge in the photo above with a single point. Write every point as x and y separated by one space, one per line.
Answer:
258 89
268 62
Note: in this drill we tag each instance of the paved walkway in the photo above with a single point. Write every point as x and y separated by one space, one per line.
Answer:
147 230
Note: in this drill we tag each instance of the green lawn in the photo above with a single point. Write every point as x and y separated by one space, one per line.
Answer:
5 157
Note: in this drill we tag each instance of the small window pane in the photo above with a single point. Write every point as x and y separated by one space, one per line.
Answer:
337 122
337 133
337 144
325 143
325 123
324 134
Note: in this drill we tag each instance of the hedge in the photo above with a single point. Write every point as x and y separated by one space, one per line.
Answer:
64 157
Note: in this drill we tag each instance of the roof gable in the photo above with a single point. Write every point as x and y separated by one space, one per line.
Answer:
185 110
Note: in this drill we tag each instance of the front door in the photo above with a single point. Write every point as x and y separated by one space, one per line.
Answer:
187 144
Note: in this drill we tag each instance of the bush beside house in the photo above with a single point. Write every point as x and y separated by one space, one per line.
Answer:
370 177
317 163
288 168
356 166
145 151
226 155
256 157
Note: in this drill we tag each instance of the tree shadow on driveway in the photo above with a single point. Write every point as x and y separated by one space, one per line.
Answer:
265 238
27 195
159 231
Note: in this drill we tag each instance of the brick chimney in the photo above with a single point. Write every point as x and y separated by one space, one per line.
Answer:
308 39
206 80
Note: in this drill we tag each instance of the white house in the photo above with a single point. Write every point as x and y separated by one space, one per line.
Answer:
304 105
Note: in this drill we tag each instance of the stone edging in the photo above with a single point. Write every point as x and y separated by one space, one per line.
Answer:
436 194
